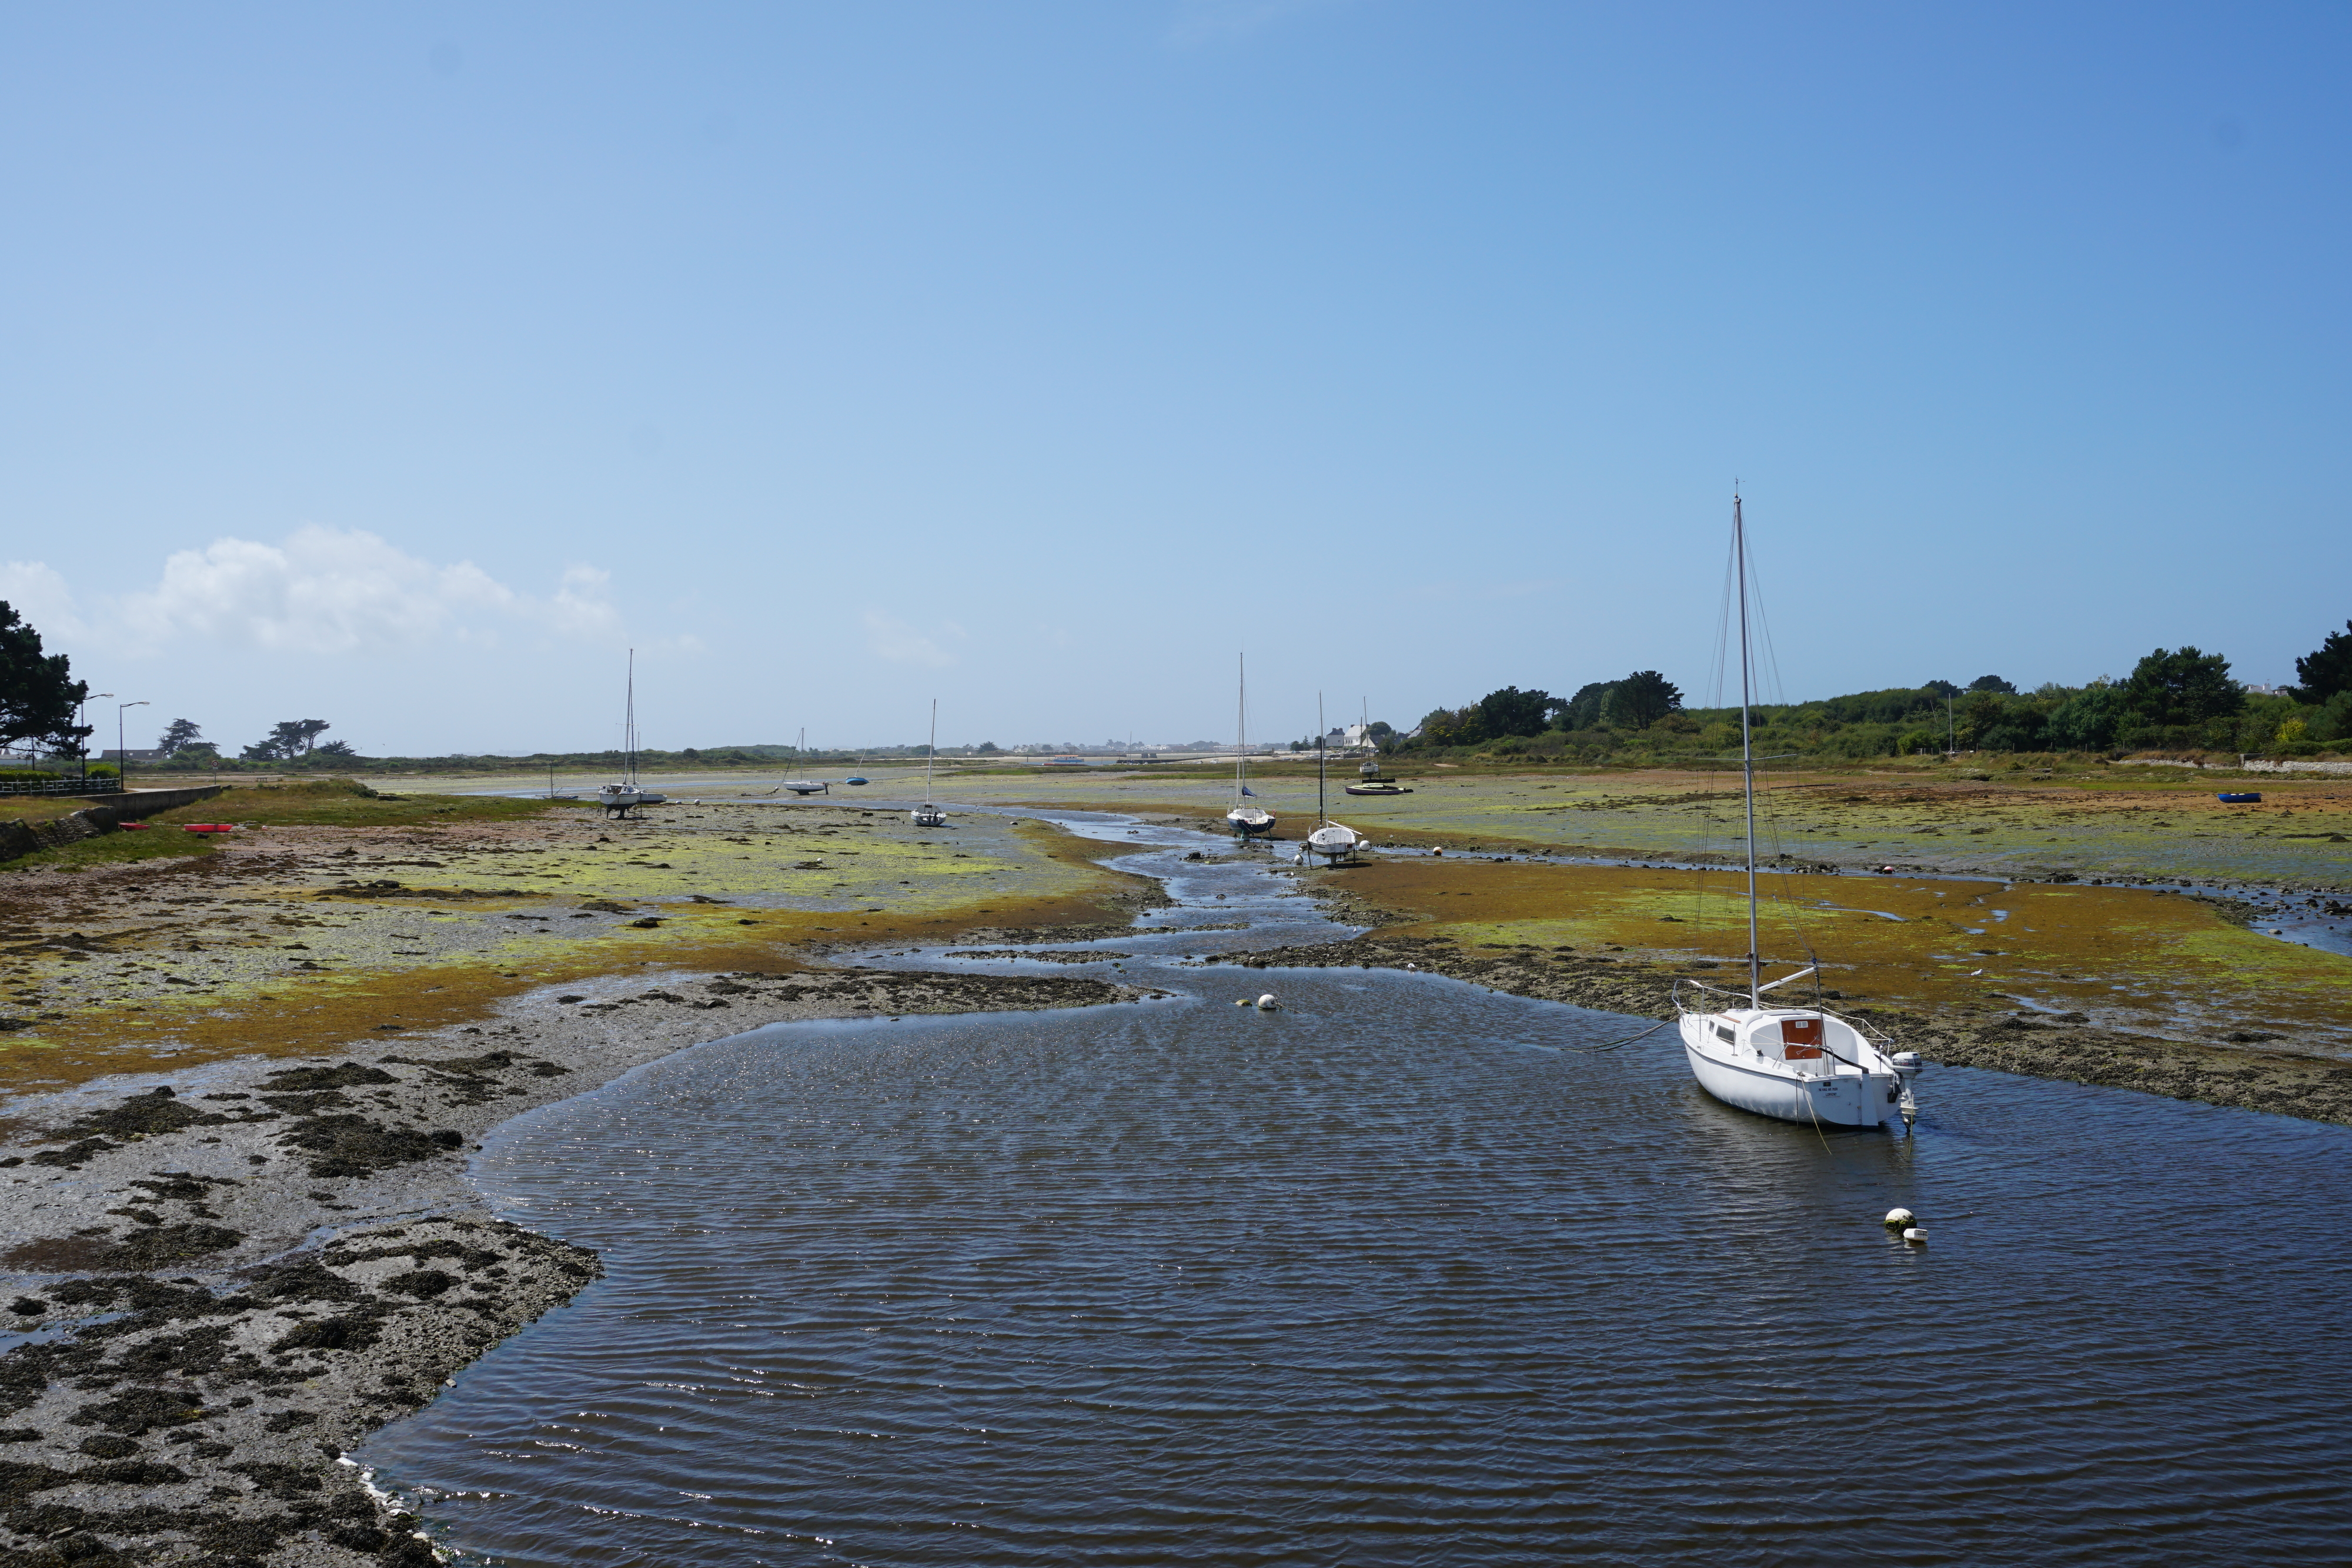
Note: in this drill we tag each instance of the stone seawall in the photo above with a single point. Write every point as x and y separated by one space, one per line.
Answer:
131 806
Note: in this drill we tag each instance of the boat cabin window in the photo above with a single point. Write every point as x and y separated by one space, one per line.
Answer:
1726 1033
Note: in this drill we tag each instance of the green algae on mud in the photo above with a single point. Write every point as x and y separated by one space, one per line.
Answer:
2129 958
296 937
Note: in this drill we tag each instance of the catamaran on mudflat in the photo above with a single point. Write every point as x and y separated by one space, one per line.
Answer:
1795 1063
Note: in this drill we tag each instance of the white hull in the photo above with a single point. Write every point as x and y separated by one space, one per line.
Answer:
1252 821
1851 1084
807 786
1334 842
620 797
928 817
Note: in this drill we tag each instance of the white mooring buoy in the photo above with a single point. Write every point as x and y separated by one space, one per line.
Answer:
1896 1219
1266 1004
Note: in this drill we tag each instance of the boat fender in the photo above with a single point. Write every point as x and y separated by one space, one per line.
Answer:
1266 1004
1916 1235
1899 1218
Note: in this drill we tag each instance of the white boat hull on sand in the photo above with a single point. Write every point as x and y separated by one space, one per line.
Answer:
1749 1071
1252 821
1334 842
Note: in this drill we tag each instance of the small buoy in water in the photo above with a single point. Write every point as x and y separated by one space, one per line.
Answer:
1266 1004
1915 1233
1898 1218
1413 965
1240 1001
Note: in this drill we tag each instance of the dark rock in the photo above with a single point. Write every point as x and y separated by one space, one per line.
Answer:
141 1411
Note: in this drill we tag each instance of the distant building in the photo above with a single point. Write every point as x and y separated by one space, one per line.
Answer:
156 755
2259 691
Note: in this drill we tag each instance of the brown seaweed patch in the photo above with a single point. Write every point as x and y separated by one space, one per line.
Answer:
349 1144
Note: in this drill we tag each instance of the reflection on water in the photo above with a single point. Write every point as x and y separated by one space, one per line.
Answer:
1389 1277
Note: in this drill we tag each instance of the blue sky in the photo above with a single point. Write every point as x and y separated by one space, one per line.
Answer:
401 366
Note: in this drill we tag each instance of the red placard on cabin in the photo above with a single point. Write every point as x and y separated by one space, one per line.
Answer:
1801 1039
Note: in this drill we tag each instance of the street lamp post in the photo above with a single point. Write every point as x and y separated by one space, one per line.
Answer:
123 751
86 698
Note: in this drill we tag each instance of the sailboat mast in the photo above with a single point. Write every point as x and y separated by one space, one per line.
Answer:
1747 757
1322 812
629 726
930 750
1241 730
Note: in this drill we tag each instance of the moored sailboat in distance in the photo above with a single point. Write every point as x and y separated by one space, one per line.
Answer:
1333 841
619 798
806 785
1795 1063
1249 821
928 815
1370 779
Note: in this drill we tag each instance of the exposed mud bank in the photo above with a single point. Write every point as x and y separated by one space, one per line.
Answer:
222 1281
2034 1044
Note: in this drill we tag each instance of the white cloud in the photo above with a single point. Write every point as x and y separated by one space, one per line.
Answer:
37 593
327 591
891 638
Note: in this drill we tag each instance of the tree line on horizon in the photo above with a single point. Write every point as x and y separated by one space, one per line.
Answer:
2177 699
2174 699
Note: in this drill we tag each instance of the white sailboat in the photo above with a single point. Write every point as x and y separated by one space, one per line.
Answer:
805 786
1795 1063
1370 780
619 798
1250 821
927 815
1335 843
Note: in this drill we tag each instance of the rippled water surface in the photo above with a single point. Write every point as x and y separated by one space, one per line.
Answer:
1388 1276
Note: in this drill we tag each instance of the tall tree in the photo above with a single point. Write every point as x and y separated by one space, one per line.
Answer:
1514 712
1583 710
291 739
2181 687
178 735
2326 669
1991 684
37 691
1642 698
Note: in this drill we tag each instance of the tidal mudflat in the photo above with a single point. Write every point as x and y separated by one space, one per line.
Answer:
246 1077
1408 1271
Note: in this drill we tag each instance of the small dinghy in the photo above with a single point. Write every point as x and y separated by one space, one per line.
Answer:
2237 797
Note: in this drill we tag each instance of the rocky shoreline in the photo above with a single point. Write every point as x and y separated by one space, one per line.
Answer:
2025 1042
224 1279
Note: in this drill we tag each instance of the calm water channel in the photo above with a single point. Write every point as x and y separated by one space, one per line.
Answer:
1393 1276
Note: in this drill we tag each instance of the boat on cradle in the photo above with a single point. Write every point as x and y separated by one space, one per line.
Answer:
1792 1064
807 786
1336 843
1370 779
928 815
1247 821
621 798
